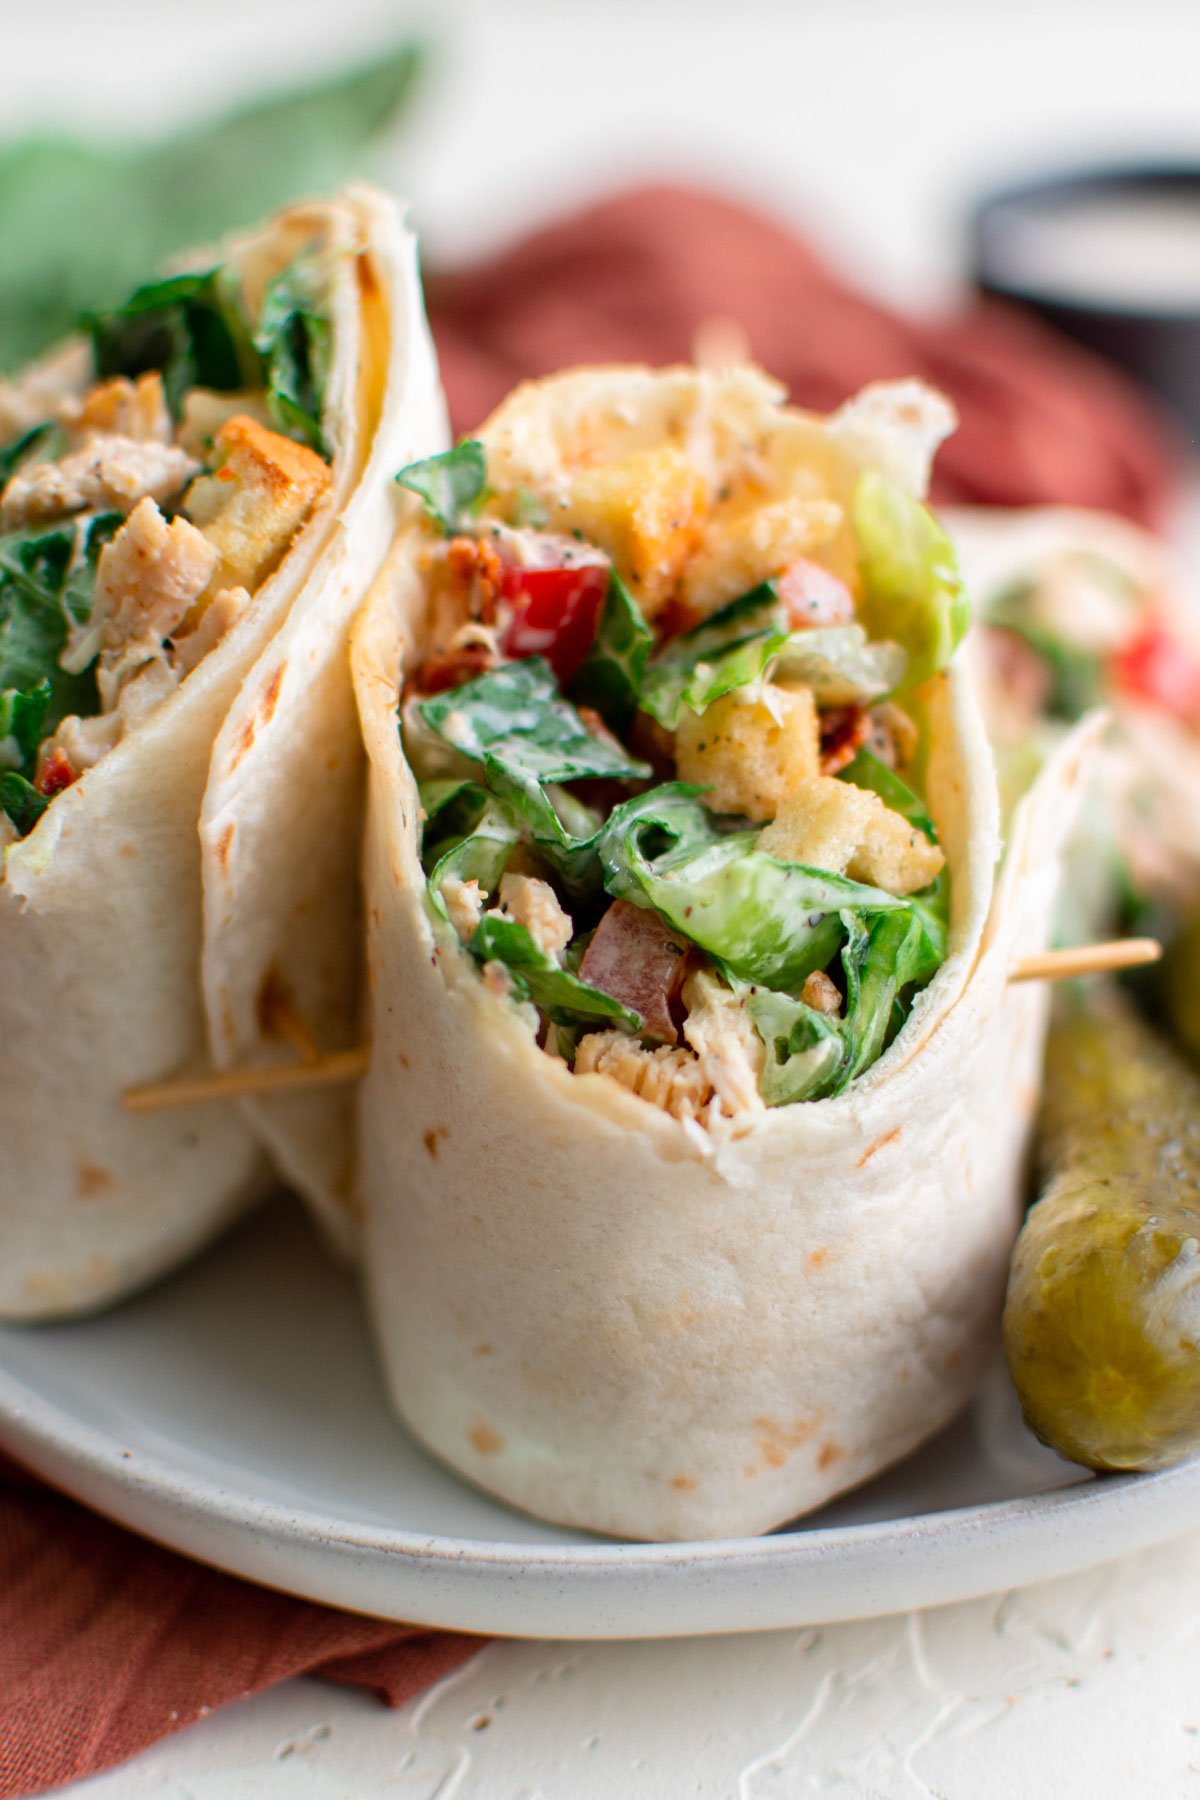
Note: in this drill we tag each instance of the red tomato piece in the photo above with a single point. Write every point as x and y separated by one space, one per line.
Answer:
1157 668
813 596
637 958
55 773
554 612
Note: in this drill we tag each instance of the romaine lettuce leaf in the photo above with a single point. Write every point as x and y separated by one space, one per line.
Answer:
21 801
47 575
806 1049
191 328
468 833
912 590
449 484
610 676
295 340
537 977
841 665
515 716
764 920
22 726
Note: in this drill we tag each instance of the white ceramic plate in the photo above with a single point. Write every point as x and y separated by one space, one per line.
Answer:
235 1413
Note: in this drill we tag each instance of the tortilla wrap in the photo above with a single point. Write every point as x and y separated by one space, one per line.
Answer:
618 1322
101 909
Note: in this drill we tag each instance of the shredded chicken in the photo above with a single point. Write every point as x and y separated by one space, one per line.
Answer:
464 905
37 395
124 408
669 1077
534 904
721 1032
219 616
829 824
751 747
109 473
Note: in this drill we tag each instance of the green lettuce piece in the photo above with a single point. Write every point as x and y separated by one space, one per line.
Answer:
449 484
806 1050
728 650
912 591
81 223
841 665
22 726
515 717
21 801
191 328
294 338
767 921
563 829
46 579
468 833
555 991
610 676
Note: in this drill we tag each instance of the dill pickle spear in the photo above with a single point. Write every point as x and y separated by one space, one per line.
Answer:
1102 1318
1179 985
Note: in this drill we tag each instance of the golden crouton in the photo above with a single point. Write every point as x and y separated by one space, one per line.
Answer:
846 830
742 548
751 748
261 494
646 511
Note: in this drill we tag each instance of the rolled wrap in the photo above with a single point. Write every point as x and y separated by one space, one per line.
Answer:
620 1322
105 932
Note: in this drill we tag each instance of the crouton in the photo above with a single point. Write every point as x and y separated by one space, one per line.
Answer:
260 496
751 748
846 830
646 512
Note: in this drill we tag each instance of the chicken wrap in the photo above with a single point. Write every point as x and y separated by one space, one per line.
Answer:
690 1146
195 496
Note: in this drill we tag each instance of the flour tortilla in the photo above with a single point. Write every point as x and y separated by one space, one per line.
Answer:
281 826
101 908
618 1322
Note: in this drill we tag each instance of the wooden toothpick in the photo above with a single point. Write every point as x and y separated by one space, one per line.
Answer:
231 1084
1086 959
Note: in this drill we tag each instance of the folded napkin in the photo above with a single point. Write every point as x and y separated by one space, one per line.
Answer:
634 279
108 1643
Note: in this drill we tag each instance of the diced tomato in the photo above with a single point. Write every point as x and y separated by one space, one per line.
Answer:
813 596
1157 668
55 773
844 729
554 612
639 960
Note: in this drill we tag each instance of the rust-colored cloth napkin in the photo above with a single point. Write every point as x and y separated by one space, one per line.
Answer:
1042 422
108 1643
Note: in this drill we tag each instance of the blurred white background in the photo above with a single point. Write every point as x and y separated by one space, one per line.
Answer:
873 122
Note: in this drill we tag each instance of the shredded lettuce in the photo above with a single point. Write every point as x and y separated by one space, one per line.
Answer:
294 338
192 328
610 676
912 590
451 484
537 977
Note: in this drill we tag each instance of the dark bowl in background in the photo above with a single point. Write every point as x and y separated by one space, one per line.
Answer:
1154 336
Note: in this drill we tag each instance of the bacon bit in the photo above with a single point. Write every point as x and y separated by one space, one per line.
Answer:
477 560
640 961
55 773
451 668
813 596
676 617
844 730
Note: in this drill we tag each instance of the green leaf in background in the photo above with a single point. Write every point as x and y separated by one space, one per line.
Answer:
449 484
912 591
190 326
610 676
295 340
81 224
537 977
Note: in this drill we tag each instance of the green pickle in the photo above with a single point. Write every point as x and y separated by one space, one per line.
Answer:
1179 987
1102 1318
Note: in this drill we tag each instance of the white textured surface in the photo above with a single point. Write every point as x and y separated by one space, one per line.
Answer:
874 121
1081 1689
